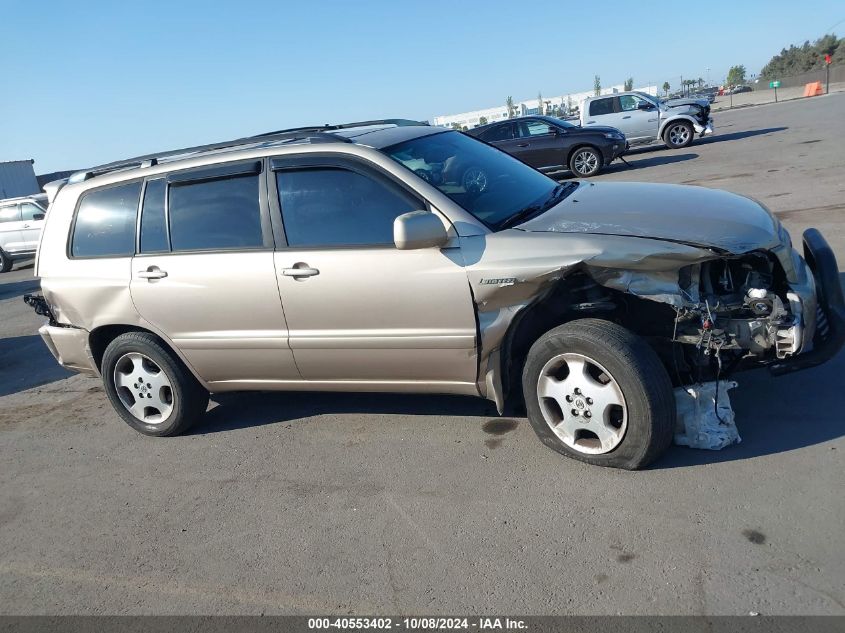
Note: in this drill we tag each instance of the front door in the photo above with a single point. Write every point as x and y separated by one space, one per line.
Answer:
636 123
11 233
541 144
357 308
32 217
204 275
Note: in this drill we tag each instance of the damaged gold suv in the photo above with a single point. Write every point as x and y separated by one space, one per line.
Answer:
395 256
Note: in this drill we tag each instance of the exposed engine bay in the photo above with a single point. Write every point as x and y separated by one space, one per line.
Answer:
728 312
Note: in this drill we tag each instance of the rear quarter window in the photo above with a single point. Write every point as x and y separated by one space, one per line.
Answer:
105 222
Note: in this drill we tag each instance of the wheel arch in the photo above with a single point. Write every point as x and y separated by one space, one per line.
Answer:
582 145
576 296
100 337
678 117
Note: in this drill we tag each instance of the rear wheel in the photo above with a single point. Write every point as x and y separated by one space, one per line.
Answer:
585 162
597 392
678 134
149 387
5 262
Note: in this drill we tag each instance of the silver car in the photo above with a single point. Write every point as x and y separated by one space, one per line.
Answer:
646 119
21 220
324 259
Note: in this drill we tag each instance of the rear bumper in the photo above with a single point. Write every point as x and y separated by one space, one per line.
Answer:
69 346
830 326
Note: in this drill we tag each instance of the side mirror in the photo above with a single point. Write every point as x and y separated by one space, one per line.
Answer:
37 216
418 229
644 105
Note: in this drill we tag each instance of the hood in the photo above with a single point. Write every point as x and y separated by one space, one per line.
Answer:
682 101
594 129
680 213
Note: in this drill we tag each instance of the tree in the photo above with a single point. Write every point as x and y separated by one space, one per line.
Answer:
700 82
799 59
456 126
736 75
510 106
568 105
540 103
482 120
597 85
629 84
666 87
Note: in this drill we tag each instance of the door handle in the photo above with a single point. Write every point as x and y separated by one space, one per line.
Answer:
627 116
522 144
26 226
153 272
300 270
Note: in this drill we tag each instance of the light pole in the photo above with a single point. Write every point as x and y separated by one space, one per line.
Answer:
708 77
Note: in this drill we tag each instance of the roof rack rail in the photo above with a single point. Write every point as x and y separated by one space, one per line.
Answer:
313 135
328 127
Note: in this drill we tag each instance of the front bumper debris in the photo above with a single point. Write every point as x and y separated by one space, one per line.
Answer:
830 321
704 130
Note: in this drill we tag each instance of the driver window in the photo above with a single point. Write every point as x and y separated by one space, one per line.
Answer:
534 128
630 102
332 206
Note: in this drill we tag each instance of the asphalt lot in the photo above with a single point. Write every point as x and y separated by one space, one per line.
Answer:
367 504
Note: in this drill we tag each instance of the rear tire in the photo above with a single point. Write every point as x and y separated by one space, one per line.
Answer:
5 262
585 162
598 393
149 387
678 134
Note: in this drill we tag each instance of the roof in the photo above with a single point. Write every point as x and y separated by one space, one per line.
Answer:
377 134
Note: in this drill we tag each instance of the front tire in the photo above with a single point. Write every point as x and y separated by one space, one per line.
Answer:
678 135
585 162
149 387
598 393
5 262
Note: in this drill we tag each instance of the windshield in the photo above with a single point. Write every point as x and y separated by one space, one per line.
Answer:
490 184
562 123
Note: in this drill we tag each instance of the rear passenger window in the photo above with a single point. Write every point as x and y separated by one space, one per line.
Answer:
153 223
498 133
601 106
215 214
10 214
329 206
105 222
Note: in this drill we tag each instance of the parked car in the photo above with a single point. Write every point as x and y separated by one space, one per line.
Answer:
319 259
550 144
21 220
739 89
644 119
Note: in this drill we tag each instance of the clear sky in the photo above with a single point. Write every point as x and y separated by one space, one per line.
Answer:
90 82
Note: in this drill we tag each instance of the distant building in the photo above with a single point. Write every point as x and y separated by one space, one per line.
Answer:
555 106
17 178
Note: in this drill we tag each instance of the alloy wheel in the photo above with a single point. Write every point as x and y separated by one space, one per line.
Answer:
586 162
143 388
582 404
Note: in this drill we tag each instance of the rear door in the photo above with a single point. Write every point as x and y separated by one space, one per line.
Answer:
502 136
604 111
11 233
32 221
204 274
358 308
